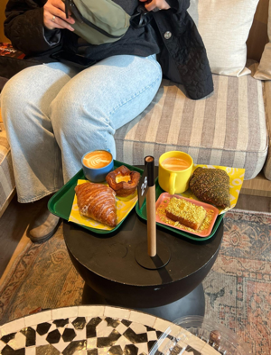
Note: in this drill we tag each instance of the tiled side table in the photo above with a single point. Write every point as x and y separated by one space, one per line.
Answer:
96 330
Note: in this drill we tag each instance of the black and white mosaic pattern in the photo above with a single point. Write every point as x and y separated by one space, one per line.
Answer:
101 331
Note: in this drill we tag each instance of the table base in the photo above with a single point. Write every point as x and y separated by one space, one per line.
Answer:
192 304
160 260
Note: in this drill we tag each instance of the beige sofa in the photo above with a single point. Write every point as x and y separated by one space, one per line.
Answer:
230 128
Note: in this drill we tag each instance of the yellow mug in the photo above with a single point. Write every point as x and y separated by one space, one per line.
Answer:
175 170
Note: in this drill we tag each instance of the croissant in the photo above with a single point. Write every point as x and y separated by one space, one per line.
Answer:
97 201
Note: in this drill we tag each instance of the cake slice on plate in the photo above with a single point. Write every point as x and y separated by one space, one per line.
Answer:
186 213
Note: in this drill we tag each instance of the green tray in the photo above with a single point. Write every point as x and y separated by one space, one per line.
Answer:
142 214
60 203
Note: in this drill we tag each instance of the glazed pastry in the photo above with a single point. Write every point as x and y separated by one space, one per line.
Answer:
97 201
123 181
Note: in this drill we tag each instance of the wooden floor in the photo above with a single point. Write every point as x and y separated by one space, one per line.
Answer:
17 217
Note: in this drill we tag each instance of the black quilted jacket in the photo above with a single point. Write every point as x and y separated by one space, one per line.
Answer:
182 54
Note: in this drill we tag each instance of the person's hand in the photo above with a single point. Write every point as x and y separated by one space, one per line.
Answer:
151 5
54 15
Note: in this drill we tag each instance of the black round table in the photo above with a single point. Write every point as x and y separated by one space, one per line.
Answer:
108 265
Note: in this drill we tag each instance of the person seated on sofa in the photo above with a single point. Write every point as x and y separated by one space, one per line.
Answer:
55 112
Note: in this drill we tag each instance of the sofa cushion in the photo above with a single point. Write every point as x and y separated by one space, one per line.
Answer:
224 27
7 183
267 101
226 129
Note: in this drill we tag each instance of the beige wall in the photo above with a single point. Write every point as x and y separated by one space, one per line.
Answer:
2 19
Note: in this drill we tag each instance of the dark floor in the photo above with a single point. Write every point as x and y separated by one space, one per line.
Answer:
13 224
17 217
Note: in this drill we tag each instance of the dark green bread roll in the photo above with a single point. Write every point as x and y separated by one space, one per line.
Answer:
211 186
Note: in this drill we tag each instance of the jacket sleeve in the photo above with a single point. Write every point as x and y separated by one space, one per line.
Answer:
183 55
24 27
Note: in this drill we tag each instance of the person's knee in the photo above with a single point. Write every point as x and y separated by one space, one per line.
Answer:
84 126
13 94
14 101
64 110
71 113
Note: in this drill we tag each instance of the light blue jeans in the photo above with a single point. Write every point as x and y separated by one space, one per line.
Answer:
54 114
